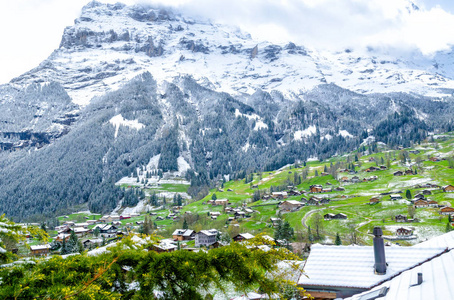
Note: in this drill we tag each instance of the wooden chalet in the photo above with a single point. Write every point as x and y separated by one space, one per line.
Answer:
279 195
240 215
421 203
183 234
325 201
374 200
402 231
242 237
432 203
426 192
398 173
447 210
88 243
40 250
294 193
290 205
266 197
163 247
355 179
313 202
316 188
401 218
448 189
372 169
420 196
409 172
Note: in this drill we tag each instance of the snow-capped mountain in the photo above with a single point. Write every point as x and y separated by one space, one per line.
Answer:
134 87
110 44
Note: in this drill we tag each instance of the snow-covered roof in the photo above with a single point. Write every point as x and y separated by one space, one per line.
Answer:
207 232
353 266
183 232
293 202
437 279
442 241
247 235
39 247
80 224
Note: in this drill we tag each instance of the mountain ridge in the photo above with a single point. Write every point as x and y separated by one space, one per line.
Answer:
93 115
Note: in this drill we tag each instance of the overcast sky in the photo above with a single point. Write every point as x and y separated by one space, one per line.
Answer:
31 29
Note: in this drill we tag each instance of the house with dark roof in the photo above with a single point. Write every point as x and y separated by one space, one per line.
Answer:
401 218
395 197
316 188
328 216
340 216
290 205
403 231
426 192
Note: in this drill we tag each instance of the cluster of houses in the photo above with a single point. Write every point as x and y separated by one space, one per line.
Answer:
204 238
294 205
402 173
356 179
402 219
338 216
318 188
373 169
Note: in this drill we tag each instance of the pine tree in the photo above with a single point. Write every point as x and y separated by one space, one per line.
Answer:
73 243
64 249
338 241
185 224
214 197
96 232
408 194
448 227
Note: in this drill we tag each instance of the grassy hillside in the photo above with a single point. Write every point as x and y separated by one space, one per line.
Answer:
353 201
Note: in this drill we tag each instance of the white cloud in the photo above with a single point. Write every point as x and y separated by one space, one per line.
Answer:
31 29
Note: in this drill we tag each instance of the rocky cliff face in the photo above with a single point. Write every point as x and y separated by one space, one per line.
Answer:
130 84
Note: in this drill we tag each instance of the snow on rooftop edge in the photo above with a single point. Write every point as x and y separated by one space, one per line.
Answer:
437 281
353 266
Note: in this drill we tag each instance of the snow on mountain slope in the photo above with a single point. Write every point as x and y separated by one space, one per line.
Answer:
110 44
